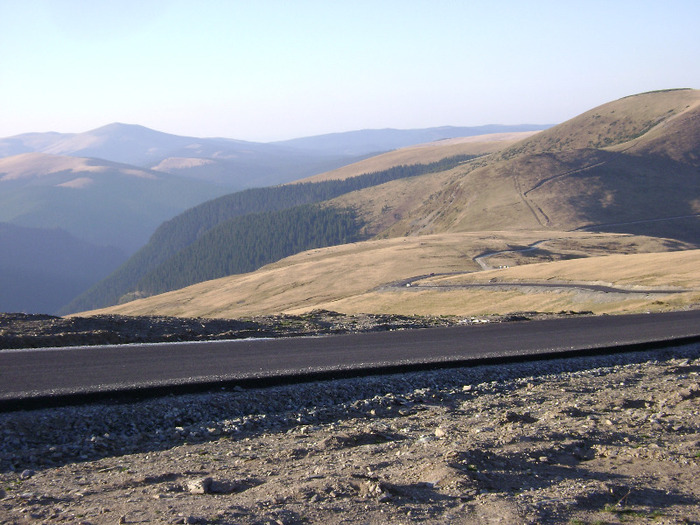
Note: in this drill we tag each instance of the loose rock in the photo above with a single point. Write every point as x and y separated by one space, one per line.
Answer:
200 486
528 443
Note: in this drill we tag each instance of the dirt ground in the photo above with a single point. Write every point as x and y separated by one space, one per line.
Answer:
574 442
18 330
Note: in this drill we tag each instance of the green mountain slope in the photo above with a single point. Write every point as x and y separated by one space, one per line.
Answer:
248 242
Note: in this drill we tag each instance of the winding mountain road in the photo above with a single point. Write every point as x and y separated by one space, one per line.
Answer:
555 285
34 378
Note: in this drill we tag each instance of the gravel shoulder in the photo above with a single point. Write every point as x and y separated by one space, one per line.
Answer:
609 439
18 330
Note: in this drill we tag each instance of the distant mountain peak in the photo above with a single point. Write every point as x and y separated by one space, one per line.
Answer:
120 128
122 125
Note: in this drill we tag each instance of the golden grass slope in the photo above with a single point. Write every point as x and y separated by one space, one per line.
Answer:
358 278
631 271
636 272
617 124
563 178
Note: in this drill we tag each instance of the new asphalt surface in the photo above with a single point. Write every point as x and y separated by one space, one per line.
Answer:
30 378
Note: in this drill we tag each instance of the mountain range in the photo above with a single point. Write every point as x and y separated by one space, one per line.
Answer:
628 170
113 186
236 164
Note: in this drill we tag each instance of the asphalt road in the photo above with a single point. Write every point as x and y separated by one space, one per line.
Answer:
536 284
62 373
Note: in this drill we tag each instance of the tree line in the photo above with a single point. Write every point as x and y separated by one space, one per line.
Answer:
246 243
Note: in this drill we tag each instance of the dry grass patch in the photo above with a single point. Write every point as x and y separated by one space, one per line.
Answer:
614 124
478 302
307 279
558 180
669 270
664 271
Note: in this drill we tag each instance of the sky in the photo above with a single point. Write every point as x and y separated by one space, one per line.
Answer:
266 70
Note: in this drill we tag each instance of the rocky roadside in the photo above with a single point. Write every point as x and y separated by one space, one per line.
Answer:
18 330
610 439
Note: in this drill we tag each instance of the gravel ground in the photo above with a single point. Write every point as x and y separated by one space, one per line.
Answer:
588 440
18 330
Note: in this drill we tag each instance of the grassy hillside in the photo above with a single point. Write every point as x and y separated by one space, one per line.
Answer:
647 184
369 276
618 124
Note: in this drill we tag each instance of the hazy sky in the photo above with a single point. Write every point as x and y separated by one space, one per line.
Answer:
266 70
